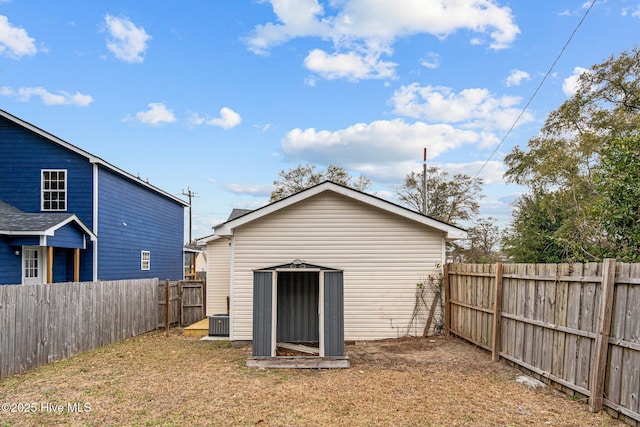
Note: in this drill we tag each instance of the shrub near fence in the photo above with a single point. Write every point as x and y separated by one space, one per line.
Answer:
577 325
43 323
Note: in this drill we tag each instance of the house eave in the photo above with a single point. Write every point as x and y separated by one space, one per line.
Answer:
451 232
50 231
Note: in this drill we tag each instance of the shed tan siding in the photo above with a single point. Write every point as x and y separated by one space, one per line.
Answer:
218 276
382 255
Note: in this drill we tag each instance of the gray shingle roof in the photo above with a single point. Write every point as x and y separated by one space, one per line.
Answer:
237 213
13 219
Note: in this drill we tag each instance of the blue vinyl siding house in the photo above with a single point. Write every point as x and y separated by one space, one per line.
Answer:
66 215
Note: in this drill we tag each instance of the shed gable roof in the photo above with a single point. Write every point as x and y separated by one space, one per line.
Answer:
226 229
90 157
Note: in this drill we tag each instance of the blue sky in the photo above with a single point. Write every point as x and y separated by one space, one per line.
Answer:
219 96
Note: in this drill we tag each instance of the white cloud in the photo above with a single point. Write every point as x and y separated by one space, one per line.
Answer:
24 94
570 84
362 31
383 149
430 60
228 119
516 77
385 20
492 172
252 190
471 108
127 42
14 41
156 114
298 18
352 65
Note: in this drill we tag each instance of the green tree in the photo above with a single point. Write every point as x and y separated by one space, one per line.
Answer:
617 208
560 162
302 177
449 199
454 200
532 235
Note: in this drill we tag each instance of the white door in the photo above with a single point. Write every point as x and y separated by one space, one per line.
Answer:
32 265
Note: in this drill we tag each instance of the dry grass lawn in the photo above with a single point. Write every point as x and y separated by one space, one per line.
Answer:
158 380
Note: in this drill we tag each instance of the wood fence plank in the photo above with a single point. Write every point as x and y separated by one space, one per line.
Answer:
21 325
43 324
573 322
478 302
587 321
30 332
538 332
560 337
491 295
631 357
497 311
7 322
519 306
529 312
483 301
506 345
487 319
70 316
550 271
620 304
462 312
446 284
469 312
603 327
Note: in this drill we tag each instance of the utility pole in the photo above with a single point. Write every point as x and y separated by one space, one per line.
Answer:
424 182
190 194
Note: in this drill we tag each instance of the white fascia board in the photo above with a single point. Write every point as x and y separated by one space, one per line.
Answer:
51 231
226 229
205 240
451 232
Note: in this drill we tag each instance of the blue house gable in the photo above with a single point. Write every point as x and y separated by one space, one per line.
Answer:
111 224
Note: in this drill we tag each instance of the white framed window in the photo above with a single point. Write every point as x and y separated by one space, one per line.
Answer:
31 267
145 260
54 190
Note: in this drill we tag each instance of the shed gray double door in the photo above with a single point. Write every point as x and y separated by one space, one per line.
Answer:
309 308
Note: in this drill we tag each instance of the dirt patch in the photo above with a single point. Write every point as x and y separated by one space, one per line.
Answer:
420 352
159 380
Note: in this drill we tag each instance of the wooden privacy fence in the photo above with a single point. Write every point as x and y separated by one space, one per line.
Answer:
182 302
43 323
577 325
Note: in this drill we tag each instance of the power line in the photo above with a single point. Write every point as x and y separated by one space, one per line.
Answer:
524 109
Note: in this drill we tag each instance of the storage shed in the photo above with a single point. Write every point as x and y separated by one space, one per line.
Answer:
322 266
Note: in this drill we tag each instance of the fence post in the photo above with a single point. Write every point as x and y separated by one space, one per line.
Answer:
181 301
447 299
204 299
598 369
497 313
166 307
